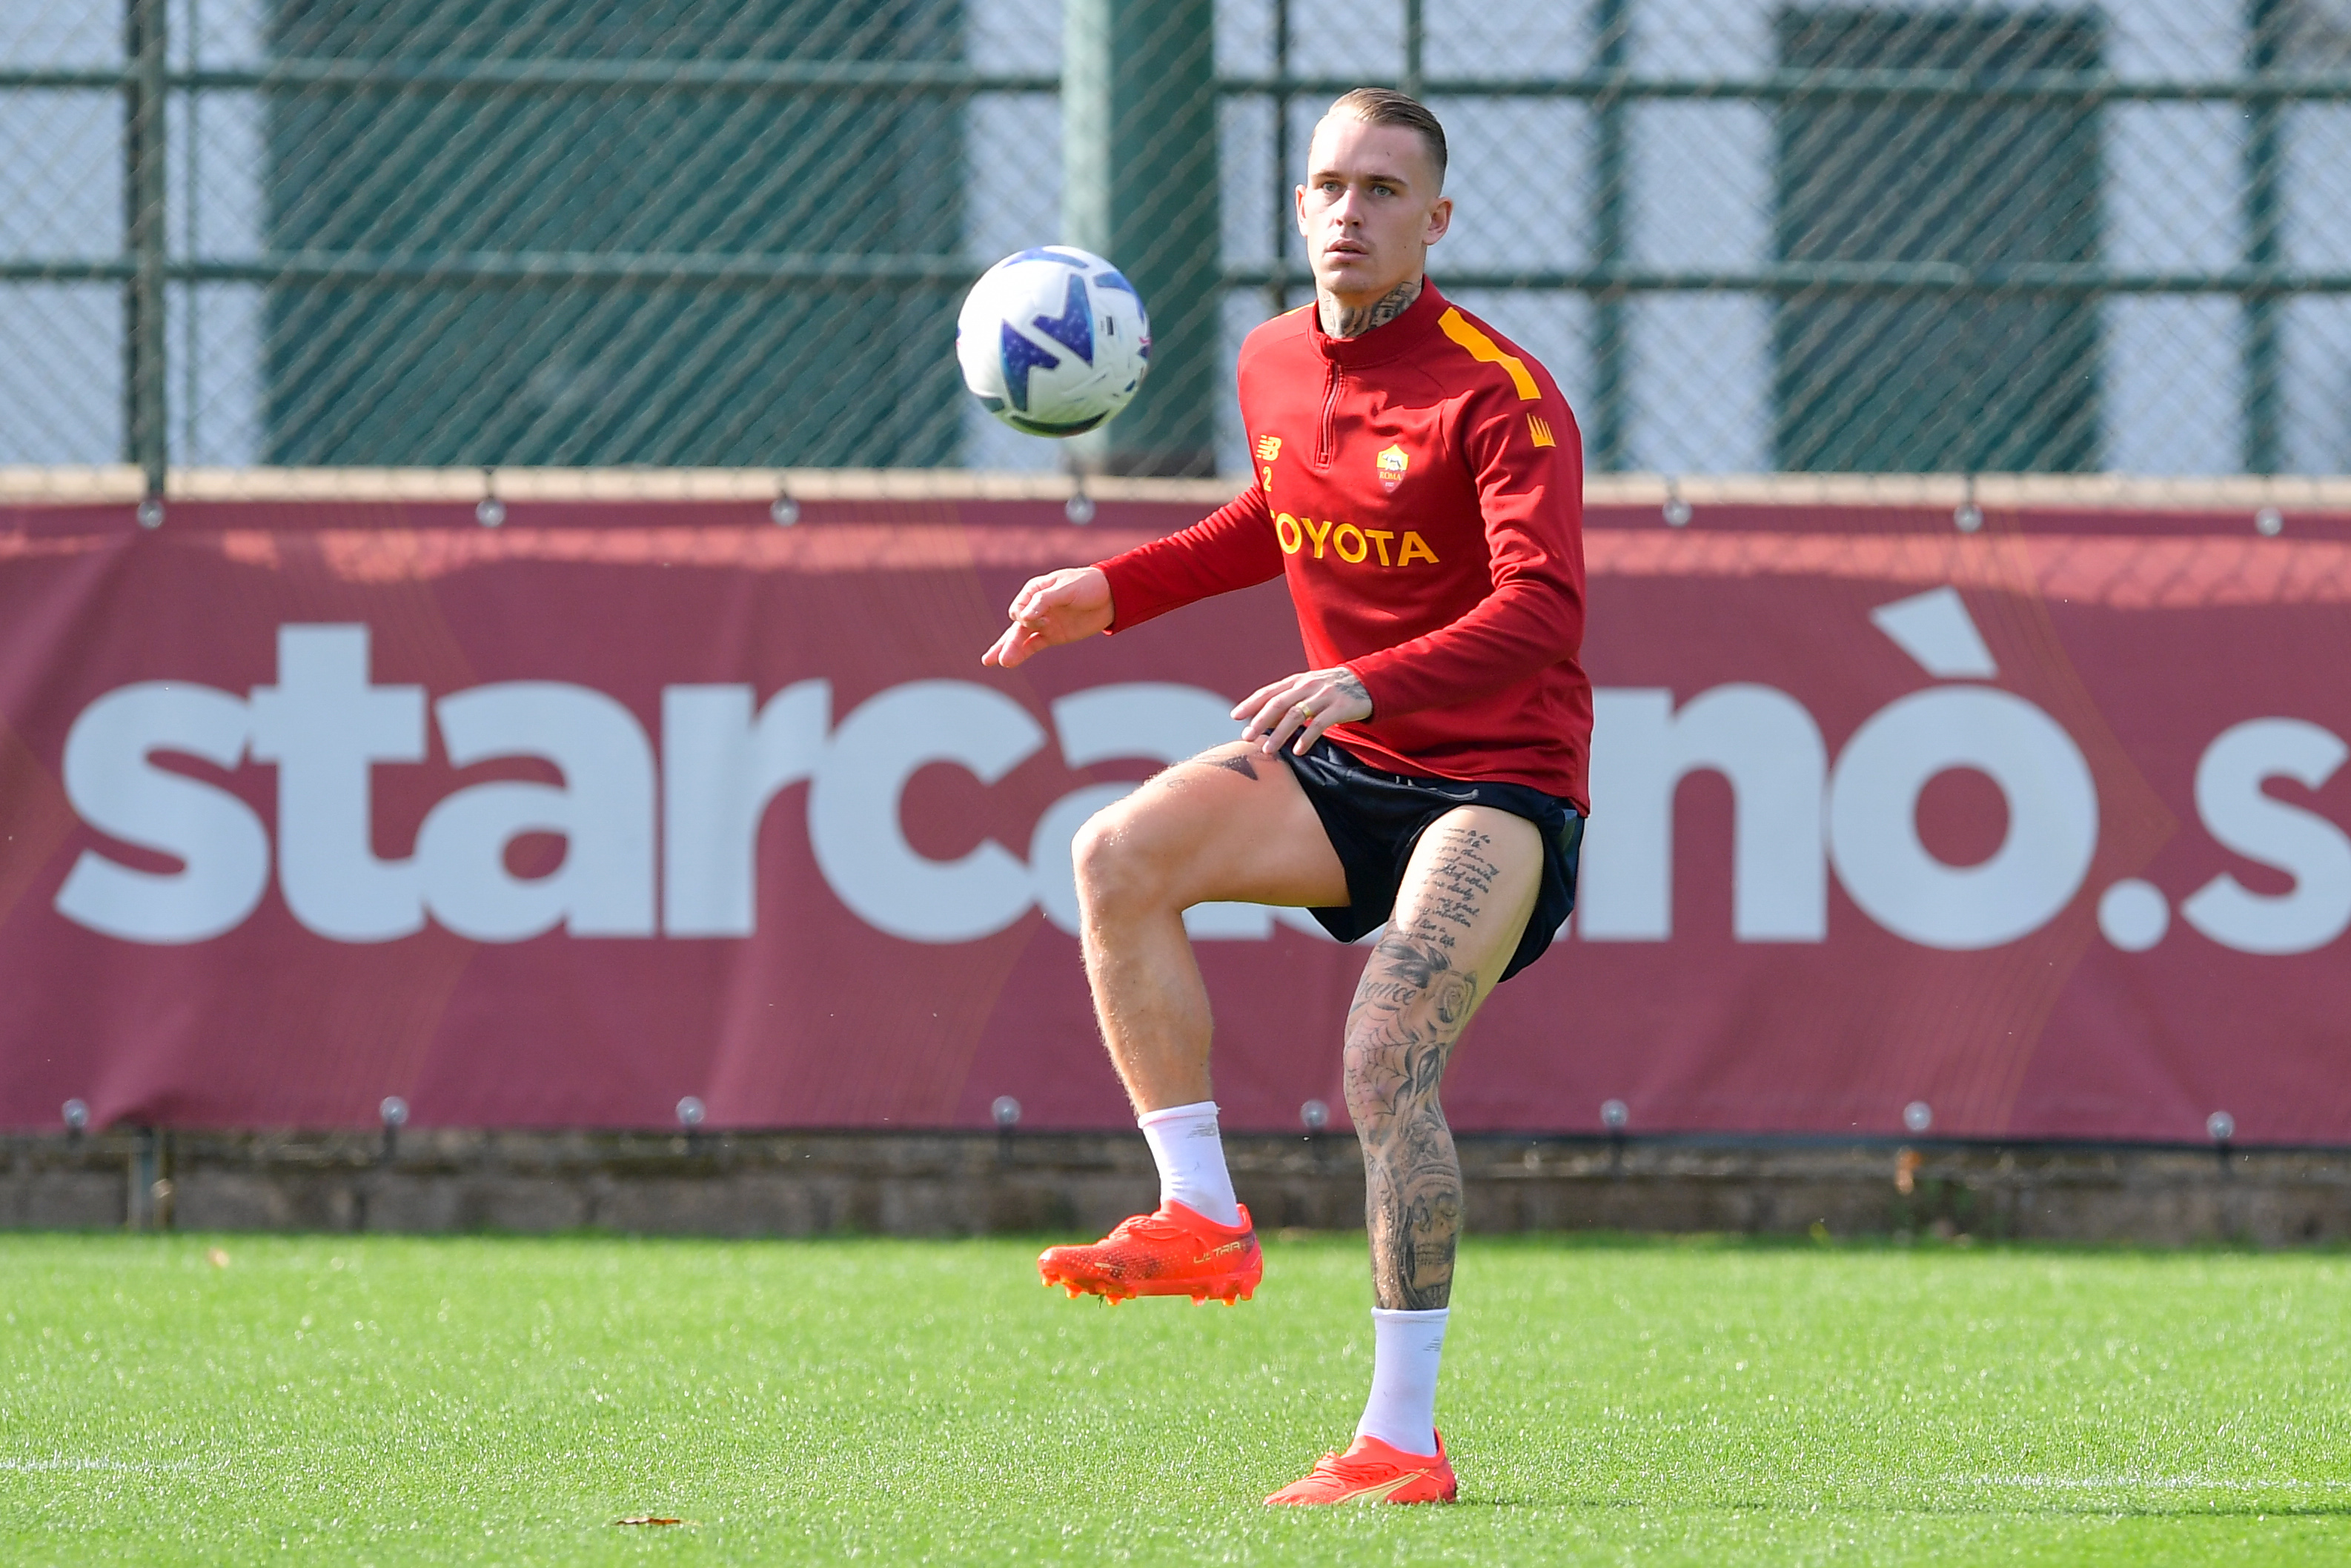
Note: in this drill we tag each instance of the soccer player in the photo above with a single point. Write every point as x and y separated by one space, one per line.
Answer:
1418 481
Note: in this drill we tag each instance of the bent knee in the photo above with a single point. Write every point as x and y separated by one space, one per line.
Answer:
1118 867
1386 1077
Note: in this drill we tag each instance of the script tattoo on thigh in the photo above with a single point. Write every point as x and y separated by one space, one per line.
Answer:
1412 1005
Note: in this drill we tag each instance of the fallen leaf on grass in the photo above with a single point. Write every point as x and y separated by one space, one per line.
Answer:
217 1257
648 1518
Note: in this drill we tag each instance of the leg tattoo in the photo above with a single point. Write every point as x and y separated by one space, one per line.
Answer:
1415 1000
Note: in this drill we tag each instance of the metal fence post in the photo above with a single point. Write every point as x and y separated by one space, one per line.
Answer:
1606 438
1416 35
1277 289
1140 186
2265 25
144 187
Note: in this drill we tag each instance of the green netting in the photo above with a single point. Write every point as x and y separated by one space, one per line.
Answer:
625 359
1745 236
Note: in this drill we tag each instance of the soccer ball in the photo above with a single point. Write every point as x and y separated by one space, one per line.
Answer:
1053 340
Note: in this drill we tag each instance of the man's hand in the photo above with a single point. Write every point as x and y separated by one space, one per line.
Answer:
1059 607
1304 705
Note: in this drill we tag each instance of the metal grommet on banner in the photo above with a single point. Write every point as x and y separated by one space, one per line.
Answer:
1918 1115
2269 522
1314 1115
1080 507
783 511
393 1113
1613 1115
691 1112
76 1117
151 512
1967 517
490 511
1678 511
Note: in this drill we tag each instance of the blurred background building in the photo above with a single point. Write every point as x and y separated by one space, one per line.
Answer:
1746 235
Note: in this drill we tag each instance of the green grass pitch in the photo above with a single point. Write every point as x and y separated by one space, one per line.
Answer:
381 1400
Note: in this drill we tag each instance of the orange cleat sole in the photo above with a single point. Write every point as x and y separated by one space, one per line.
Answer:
1232 1292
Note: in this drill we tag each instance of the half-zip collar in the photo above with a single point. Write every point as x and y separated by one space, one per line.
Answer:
1391 340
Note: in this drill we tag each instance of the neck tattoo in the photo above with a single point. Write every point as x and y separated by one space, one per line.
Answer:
1354 320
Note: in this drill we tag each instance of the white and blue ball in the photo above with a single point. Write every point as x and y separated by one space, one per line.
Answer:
1053 340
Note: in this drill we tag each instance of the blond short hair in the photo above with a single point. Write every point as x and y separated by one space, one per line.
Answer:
1385 106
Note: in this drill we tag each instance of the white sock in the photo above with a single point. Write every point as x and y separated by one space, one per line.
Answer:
1406 1349
1191 1159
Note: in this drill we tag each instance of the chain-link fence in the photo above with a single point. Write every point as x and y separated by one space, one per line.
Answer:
1746 235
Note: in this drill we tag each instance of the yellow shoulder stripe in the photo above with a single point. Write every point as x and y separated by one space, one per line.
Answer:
1486 351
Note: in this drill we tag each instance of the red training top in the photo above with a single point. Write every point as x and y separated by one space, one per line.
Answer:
1422 488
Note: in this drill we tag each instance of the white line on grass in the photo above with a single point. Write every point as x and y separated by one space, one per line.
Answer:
2125 1483
129 1465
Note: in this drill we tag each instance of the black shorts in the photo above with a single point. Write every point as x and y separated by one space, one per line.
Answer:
1375 818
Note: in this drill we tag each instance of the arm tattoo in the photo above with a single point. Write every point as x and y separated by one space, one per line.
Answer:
1354 320
1348 683
1410 1009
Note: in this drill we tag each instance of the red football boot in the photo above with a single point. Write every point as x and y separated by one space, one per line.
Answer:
1373 1472
1171 1251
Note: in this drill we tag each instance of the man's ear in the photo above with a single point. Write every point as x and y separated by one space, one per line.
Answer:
1440 218
1298 206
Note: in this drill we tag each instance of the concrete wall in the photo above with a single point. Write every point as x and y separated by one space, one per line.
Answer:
801 1184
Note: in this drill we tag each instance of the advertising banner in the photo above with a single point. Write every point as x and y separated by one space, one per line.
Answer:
2033 831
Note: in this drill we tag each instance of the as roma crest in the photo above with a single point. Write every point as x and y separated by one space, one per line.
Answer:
1393 462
